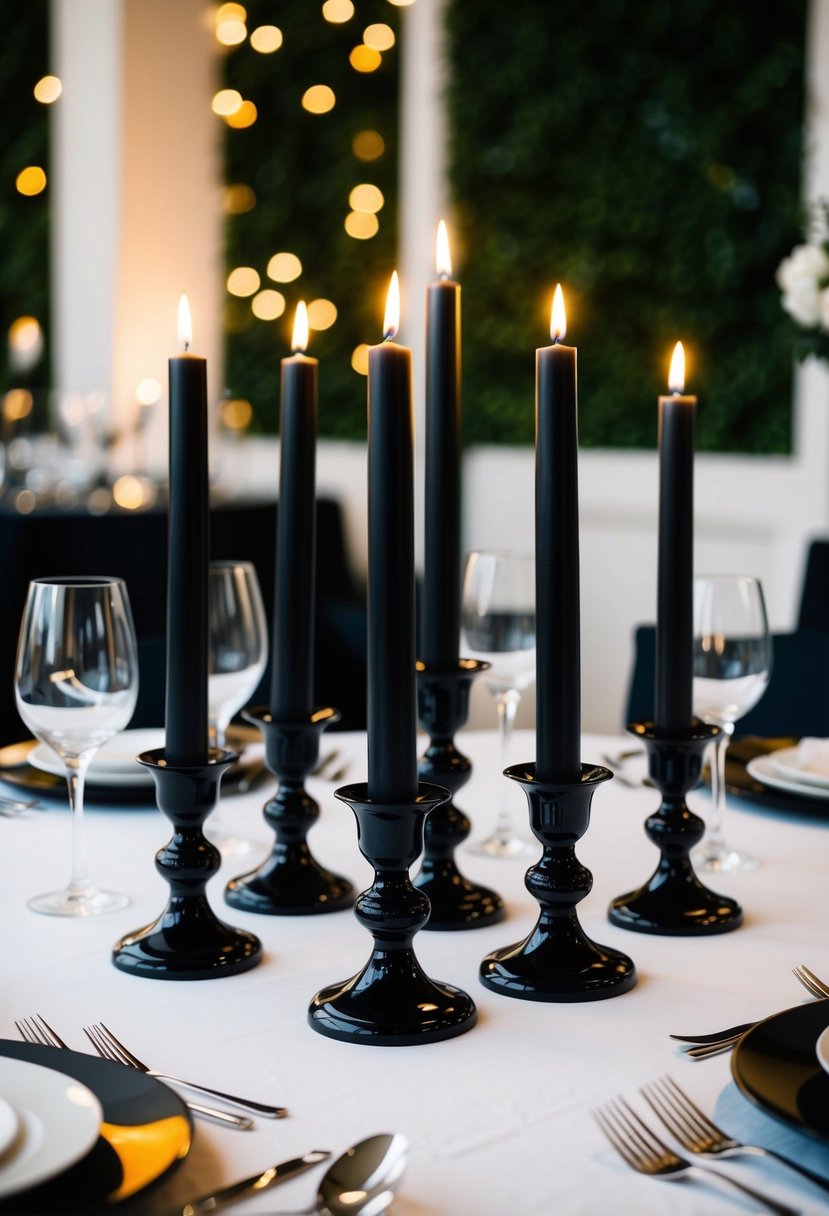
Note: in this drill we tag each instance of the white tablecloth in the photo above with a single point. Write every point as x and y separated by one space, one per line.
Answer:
498 1119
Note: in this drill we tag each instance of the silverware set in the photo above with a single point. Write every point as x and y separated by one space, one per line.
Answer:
326 770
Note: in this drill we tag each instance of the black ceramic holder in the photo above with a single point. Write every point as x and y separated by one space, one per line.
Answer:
188 941
290 882
443 707
558 961
673 901
391 1002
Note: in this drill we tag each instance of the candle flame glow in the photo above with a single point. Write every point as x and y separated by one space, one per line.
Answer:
391 320
299 341
185 324
676 376
558 316
443 258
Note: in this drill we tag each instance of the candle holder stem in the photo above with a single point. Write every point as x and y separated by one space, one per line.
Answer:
558 961
290 882
443 705
391 1002
673 901
188 941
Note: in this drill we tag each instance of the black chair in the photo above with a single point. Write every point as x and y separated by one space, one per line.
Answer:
796 702
814 598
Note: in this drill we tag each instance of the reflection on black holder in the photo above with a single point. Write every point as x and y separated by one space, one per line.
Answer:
443 707
674 901
558 961
391 1002
291 882
188 941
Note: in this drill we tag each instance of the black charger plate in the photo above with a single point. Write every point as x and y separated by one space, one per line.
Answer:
147 1132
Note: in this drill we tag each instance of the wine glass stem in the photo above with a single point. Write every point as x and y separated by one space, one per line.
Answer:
715 839
75 777
507 705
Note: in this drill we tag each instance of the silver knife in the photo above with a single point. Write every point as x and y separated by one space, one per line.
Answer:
257 1182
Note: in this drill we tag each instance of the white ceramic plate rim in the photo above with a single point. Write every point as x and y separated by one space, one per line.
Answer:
822 1049
43 758
761 769
9 1123
60 1120
784 762
114 764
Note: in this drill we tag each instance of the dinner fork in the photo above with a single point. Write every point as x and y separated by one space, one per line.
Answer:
37 1030
106 1045
642 1150
810 981
699 1134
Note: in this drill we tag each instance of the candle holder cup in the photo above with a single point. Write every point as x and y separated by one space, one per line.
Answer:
391 1002
290 882
674 901
187 941
558 961
443 707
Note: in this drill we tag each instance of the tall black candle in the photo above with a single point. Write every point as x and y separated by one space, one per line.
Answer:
675 573
292 678
392 755
187 646
440 628
558 682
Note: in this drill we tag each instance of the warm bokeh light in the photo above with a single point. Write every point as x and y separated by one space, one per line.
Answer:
231 12
25 340
284 267
364 59
391 318
17 404
558 316
245 116
443 258
31 180
236 413
401 3
185 323
321 314
361 225
368 145
148 391
366 197
237 199
319 99
243 281
676 375
128 492
266 39
337 11
379 37
231 33
359 359
299 338
226 102
267 305
48 89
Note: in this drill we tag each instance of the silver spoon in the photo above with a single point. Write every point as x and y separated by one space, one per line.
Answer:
363 1181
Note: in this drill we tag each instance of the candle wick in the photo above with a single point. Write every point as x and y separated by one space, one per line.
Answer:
556 339
186 345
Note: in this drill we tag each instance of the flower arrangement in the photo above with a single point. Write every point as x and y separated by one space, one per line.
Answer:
803 278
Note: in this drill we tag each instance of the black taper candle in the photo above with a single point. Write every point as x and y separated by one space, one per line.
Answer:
675 575
558 667
392 757
292 675
186 738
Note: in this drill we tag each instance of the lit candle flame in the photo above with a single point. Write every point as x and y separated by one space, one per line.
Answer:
676 376
185 324
299 341
391 321
558 316
443 258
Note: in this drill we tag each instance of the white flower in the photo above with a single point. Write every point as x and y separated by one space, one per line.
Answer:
824 309
804 303
805 266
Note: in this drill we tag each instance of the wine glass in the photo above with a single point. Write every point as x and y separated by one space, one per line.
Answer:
498 625
76 683
732 665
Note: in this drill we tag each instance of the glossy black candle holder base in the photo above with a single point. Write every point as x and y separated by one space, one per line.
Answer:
188 941
391 1002
558 961
673 901
290 882
443 707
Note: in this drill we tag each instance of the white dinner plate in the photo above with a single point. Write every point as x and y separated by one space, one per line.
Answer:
761 768
788 763
822 1050
9 1123
59 1123
113 764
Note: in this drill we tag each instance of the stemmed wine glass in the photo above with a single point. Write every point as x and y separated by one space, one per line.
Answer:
498 625
732 665
76 683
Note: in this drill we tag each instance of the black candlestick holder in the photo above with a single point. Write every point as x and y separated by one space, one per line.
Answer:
188 941
443 707
674 901
290 882
391 1002
558 961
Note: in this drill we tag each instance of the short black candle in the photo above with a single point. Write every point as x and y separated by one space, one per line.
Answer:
186 738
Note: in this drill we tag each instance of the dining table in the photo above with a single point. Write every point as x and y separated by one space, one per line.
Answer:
498 1120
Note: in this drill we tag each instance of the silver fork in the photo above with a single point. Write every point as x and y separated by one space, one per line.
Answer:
37 1030
106 1045
642 1150
699 1134
810 981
